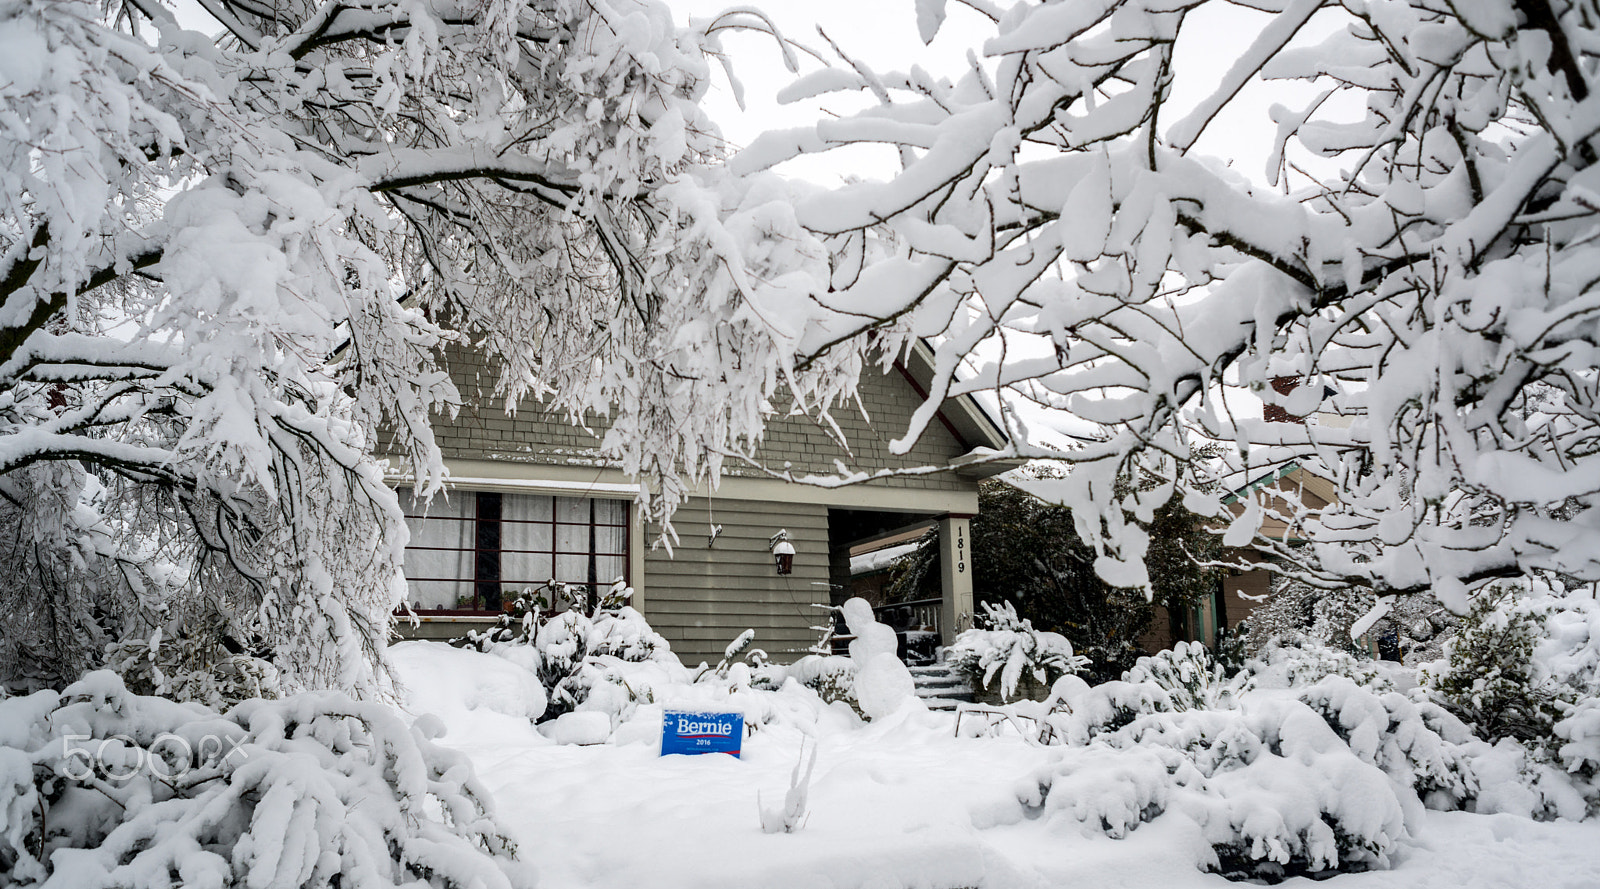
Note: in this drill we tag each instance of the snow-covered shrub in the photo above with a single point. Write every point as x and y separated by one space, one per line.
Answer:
1446 760
1304 662
836 681
1009 646
535 606
458 685
1524 665
1568 655
1187 677
194 666
1271 787
1105 789
1489 677
103 787
1308 761
1109 706
1418 744
574 654
1301 803
831 677
1192 679
1516 780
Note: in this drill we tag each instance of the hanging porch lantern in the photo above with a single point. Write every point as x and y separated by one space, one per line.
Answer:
782 552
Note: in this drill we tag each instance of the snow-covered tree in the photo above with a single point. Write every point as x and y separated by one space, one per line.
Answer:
237 237
1297 610
1422 244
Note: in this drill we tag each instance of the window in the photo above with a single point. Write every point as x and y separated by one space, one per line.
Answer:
475 550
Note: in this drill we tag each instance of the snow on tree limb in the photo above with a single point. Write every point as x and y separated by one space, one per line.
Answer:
1429 261
233 268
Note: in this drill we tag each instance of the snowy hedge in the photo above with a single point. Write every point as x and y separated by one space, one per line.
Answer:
103 787
1525 665
1308 761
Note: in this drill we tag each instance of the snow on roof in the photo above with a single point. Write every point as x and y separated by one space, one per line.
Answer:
880 560
1050 490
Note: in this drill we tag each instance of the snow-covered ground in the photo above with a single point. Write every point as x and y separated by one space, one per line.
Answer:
898 802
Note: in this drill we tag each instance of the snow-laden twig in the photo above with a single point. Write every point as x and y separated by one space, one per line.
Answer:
793 814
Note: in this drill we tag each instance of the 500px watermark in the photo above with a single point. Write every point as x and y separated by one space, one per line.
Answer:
121 758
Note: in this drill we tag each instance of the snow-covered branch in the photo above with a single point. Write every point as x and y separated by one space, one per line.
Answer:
232 268
1423 269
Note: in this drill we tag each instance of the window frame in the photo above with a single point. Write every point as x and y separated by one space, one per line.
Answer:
487 552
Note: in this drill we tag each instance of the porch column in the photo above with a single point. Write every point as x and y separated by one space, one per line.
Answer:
955 576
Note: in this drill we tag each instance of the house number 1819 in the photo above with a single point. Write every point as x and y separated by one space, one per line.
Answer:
961 550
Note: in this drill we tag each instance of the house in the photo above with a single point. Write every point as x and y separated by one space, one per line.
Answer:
1280 490
1241 591
531 499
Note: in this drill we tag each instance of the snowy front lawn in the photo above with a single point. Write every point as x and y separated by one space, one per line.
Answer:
899 801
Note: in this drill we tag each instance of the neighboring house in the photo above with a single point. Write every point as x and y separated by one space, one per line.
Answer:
1242 592
531 500
1278 490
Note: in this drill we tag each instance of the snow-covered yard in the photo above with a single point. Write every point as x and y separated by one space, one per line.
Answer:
899 801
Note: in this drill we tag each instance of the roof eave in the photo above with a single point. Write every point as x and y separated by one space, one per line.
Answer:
964 413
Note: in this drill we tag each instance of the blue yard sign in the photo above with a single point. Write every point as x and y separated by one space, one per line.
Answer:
693 732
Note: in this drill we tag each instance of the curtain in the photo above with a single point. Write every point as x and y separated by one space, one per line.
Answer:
542 538
525 541
439 557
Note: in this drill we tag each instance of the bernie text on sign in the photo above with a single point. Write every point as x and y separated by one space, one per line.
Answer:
687 732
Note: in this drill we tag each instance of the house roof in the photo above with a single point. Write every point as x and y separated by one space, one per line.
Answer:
1291 480
1260 481
963 415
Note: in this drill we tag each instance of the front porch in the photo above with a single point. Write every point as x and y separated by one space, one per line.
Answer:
865 549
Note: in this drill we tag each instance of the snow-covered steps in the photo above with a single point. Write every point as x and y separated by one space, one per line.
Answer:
941 686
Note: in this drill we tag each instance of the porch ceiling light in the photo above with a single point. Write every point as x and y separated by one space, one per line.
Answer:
782 552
